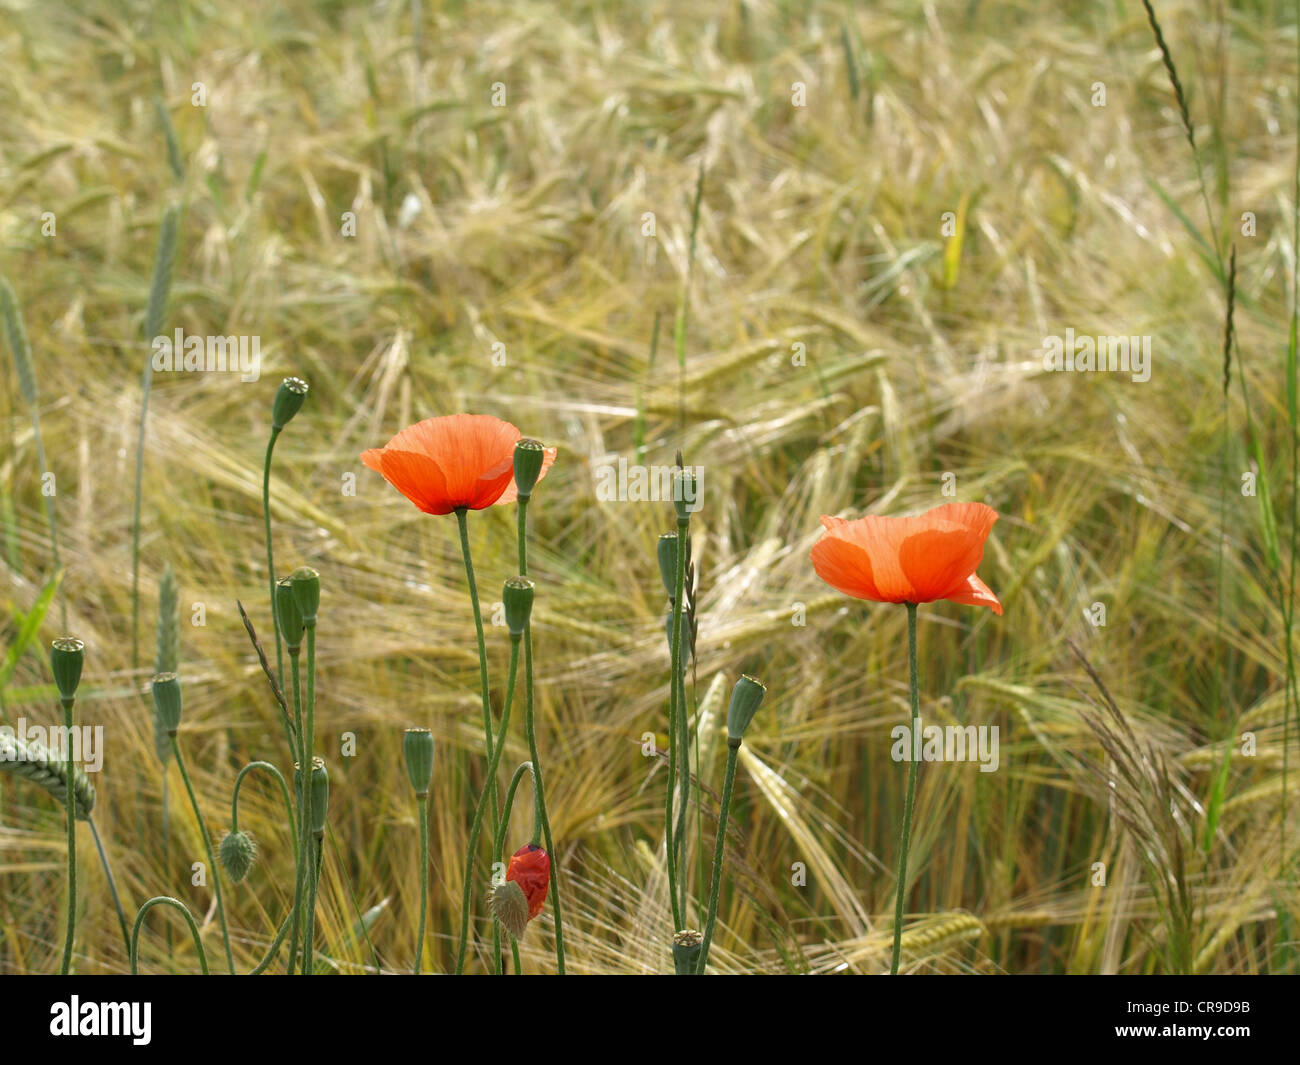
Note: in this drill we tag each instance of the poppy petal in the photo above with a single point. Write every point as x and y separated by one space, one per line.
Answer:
418 477
974 592
845 566
947 550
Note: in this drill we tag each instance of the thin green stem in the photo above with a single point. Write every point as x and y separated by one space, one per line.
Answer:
463 522
910 802
274 948
266 767
112 883
540 812
733 751
270 554
424 879
165 900
309 749
207 847
70 807
299 863
308 953
498 844
677 707
476 827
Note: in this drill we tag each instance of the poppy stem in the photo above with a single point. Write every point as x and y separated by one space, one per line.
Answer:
424 880
165 900
70 806
299 852
733 751
677 709
910 803
530 731
462 519
207 847
304 776
476 827
270 555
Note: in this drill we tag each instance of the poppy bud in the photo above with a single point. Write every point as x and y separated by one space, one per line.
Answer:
517 597
668 563
746 697
67 656
417 745
305 583
288 614
289 398
320 795
530 871
687 945
509 905
167 701
685 495
238 852
529 456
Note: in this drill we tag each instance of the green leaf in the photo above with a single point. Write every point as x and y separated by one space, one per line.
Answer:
29 625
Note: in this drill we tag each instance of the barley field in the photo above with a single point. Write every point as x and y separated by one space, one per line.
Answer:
820 249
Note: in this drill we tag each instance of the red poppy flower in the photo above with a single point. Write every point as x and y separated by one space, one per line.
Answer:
458 461
909 560
530 868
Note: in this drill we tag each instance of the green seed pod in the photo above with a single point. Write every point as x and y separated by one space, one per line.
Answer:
320 795
289 616
530 455
685 495
518 599
238 852
305 583
417 745
67 656
687 945
668 563
289 398
746 697
167 701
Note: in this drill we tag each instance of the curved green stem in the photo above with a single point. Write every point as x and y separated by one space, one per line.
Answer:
910 803
724 811
424 880
207 846
112 883
165 900
70 808
270 554
498 844
269 957
530 731
477 827
284 791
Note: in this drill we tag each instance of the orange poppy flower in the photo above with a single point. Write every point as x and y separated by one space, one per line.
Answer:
457 461
909 560
530 868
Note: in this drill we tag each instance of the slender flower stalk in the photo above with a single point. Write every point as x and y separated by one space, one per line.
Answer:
746 698
417 746
165 900
67 655
305 585
529 464
683 486
476 826
463 522
289 398
499 843
207 848
910 802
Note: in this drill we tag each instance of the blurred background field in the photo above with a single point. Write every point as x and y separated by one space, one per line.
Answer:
842 354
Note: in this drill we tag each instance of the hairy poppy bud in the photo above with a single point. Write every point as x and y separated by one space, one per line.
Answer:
167 701
238 852
305 583
529 456
289 398
509 905
288 614
668 563
417 745
746 697
687 945
67 656
517 598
